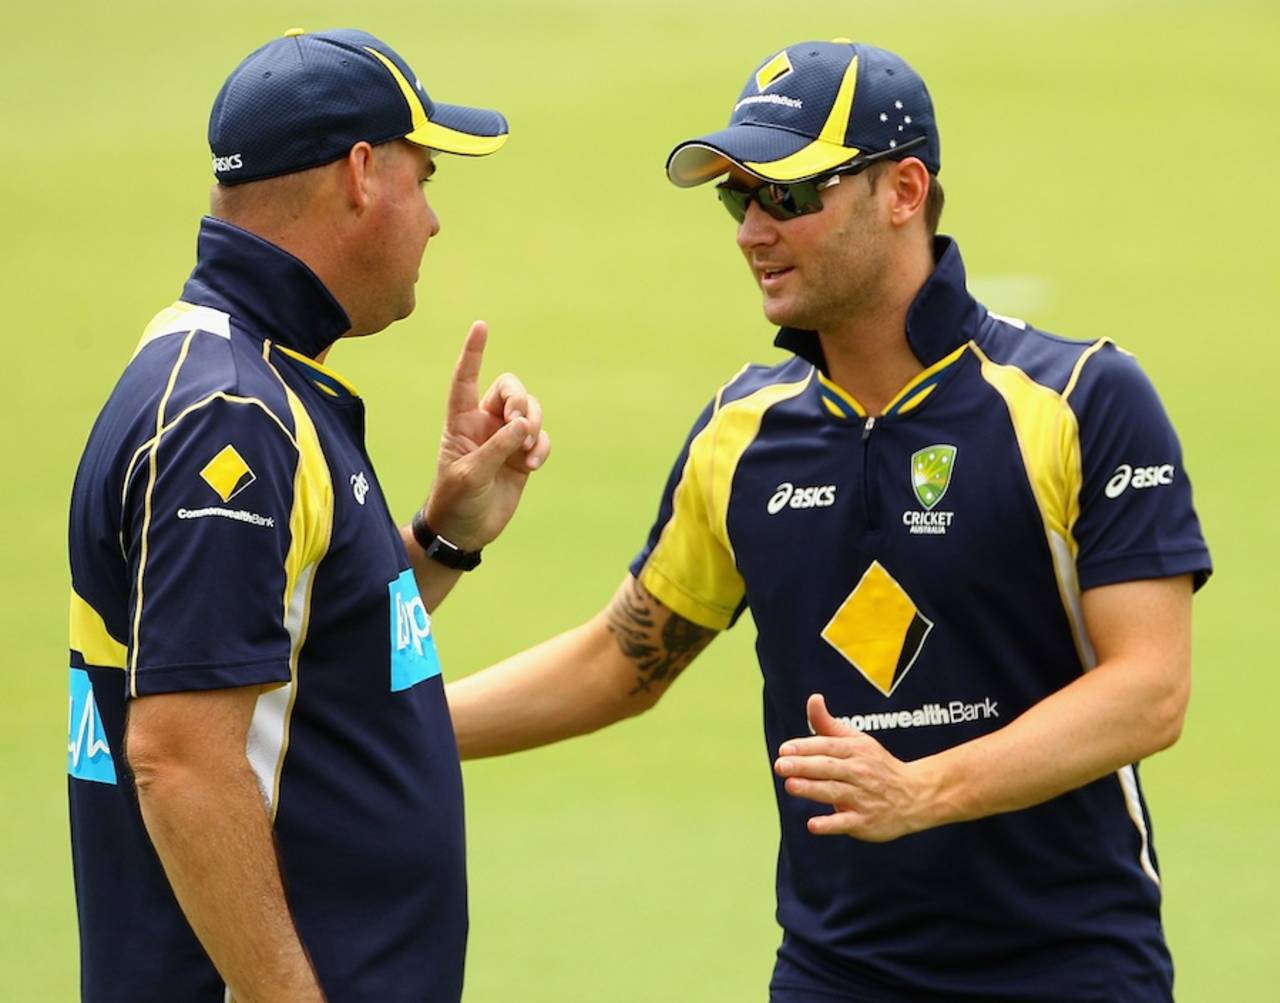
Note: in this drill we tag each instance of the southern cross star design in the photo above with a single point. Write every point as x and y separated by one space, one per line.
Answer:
906 121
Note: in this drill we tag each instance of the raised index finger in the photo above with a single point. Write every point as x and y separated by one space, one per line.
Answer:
463 391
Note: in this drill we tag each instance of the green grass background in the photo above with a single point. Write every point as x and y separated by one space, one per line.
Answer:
1110 171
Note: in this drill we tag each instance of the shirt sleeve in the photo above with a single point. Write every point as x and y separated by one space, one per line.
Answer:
687 562
1136 516
207 534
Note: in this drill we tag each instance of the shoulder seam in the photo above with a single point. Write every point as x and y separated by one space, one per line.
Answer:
1079 366
222 395
725 386
136 631
714 427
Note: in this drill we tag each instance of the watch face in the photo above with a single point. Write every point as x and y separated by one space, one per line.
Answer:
452 557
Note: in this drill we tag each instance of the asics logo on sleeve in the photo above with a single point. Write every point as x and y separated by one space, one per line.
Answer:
787 495
1138 478
223 164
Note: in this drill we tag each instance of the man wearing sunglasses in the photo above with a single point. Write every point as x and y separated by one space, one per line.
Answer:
969 550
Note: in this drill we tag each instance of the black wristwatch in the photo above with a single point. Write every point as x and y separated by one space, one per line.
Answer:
441 550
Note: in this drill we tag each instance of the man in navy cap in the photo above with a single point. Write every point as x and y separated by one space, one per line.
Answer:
969 549
266 800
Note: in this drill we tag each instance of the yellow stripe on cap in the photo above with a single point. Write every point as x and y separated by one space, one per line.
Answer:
837 123
825 152
429 134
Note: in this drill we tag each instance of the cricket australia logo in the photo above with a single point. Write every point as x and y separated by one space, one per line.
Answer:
931 470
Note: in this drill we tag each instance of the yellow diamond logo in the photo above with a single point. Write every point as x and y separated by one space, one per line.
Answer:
773 71
227 473
878 629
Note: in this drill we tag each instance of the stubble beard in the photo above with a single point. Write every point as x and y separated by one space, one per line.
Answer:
846 280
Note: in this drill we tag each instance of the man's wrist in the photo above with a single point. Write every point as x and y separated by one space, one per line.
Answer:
940 799
440 548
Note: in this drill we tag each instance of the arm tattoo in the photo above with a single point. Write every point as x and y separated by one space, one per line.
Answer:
659 655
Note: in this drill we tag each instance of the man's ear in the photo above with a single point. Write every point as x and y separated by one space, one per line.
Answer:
357 176
910 188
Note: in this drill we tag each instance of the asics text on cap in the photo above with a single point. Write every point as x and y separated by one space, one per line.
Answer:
812 107
305 99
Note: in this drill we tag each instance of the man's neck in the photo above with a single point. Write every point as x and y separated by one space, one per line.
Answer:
867 352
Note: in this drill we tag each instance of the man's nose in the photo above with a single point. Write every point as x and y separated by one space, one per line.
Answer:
757 227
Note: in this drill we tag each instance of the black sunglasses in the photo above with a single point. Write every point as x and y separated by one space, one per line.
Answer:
799 198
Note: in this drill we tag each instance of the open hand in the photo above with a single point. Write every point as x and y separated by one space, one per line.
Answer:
875 796
488 449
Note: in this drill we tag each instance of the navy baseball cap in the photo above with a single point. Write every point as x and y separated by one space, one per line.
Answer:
305 99
812 107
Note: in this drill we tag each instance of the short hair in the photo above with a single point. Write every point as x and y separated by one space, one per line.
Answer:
280 198
934 199
933 203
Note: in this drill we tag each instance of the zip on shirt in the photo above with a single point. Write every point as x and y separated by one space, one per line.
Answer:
868 496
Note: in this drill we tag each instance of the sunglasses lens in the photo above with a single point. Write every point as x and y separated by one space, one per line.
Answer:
780 201
735 201
777 201
788 201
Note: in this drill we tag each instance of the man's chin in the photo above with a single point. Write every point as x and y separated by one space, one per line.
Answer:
407 307
781 315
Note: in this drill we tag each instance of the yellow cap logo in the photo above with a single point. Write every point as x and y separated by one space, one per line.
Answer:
227 473
773 71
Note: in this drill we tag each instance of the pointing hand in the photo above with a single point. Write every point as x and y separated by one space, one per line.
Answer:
488 449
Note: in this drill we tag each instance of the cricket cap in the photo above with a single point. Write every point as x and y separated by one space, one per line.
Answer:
305 99
811 108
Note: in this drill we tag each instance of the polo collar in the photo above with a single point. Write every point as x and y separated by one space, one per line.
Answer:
941 318
266 289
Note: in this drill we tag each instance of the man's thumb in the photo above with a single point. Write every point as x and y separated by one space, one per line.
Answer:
502 445
820 720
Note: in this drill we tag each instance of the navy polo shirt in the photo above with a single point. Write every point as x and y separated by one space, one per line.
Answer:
923 569
227 529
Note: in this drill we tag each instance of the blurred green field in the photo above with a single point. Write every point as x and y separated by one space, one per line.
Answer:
1109 168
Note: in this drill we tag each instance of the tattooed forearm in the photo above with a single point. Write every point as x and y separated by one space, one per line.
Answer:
659 642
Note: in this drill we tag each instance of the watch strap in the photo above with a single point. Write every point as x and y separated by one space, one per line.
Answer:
439 549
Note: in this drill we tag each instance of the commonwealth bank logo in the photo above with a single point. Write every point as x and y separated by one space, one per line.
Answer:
227 473
878 629
931 472
773 71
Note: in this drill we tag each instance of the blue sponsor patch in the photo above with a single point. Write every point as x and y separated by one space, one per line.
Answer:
88 752
413 649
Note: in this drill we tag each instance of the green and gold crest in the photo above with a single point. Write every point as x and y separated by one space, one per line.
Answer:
931 472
